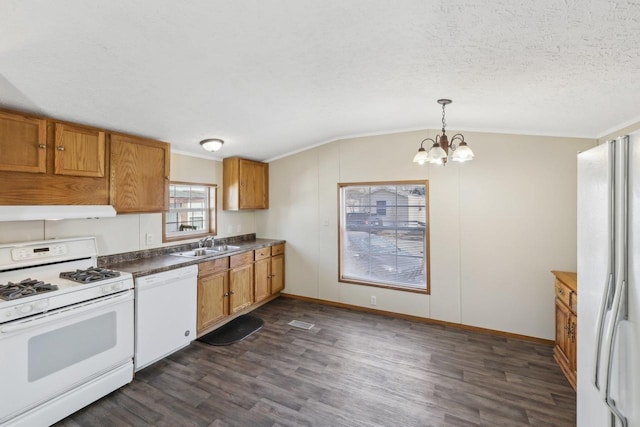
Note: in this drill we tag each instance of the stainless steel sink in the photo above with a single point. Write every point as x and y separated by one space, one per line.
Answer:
196 253
224 248
205 252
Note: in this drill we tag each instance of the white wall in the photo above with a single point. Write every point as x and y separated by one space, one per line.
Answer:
499 224
125 233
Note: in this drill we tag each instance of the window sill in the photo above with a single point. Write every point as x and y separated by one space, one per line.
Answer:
385 286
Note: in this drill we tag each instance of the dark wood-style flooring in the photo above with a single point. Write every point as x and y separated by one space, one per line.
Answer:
351 369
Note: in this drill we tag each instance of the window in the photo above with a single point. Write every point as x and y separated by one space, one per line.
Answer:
192 211
384 234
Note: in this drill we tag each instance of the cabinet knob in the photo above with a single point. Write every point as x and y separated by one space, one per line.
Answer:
60 148
560 290
226 294
42 146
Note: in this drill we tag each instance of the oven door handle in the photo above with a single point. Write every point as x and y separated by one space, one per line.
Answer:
65 312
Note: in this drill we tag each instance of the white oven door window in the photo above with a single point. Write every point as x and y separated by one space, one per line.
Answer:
46 355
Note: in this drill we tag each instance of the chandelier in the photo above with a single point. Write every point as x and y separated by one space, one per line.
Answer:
439 151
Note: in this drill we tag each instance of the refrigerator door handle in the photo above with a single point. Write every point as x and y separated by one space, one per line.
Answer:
607 295
618 308
608 367
600 331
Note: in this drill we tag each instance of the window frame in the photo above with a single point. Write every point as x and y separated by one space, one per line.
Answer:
427 249
213 217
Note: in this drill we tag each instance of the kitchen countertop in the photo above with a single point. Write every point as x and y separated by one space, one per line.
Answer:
569 278
159 263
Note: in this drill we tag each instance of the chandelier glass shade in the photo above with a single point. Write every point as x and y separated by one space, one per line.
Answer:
441 146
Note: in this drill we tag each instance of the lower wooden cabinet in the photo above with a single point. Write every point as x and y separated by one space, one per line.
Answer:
564 351
212 299
240 281
213 292
277 273
262 271
232 284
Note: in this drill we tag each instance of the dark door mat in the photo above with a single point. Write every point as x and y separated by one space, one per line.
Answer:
234 331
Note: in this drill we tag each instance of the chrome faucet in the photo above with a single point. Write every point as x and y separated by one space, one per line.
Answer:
203 242
211 240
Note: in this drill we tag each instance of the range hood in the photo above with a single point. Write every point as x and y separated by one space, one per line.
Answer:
53 212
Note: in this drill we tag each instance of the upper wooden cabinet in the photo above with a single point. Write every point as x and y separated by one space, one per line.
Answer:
79 150
139 174
245 184
41 175
23 143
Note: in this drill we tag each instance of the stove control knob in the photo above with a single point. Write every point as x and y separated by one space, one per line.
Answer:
42 304
117 286
26 308
106 289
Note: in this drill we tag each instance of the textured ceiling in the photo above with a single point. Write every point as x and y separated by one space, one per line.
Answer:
271 77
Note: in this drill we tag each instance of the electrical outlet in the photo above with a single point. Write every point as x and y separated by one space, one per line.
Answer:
148 239
238 228
374 300
229 229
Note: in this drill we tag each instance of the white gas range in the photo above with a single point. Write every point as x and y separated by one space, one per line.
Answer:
64 341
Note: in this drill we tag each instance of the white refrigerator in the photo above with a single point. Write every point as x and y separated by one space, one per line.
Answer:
608 389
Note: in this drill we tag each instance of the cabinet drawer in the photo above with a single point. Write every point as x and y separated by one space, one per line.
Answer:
214 266
279 249
241 259
563 293
263 253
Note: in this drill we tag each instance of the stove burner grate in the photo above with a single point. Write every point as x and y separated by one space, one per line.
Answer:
92 274
25 288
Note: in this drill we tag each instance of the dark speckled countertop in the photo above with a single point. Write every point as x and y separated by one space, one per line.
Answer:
145 264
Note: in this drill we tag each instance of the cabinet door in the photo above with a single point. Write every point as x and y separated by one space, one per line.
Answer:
213 295
23 143
262 279
562 324
79 151
571 342
139 174
240 288
254 185
277 273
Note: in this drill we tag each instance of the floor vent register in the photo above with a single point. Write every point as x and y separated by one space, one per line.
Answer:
301 325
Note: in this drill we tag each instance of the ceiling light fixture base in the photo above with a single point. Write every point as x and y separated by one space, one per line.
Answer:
212 144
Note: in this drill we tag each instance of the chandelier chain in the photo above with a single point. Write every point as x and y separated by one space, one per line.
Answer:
444 124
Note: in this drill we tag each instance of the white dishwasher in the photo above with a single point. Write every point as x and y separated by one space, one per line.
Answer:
166 305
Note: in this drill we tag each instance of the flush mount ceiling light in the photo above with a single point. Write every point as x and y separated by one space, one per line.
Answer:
439 151
212 144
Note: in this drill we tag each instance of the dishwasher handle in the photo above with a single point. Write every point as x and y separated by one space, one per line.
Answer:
166 277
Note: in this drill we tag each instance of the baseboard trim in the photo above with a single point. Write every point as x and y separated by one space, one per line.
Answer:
422 319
